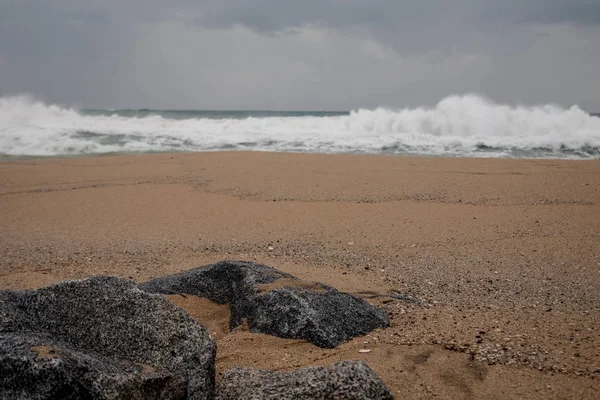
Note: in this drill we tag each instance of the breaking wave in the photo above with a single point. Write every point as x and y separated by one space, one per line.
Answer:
469 126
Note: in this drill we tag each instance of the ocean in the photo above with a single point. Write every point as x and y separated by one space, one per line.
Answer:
458 126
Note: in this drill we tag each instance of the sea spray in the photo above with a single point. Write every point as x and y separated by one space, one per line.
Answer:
467 125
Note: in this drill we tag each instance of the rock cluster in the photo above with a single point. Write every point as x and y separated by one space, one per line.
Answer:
105 338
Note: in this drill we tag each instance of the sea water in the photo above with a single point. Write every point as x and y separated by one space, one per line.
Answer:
458 126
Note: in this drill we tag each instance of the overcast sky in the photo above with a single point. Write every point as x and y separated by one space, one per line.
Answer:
300 54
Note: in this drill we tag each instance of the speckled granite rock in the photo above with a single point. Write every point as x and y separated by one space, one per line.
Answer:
104 326
34 367
320 314
348 380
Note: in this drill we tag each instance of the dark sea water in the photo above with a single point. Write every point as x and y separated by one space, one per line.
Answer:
458 126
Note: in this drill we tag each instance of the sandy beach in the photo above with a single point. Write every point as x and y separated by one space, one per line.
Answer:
503 254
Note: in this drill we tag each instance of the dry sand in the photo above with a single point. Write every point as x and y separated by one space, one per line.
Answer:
505 252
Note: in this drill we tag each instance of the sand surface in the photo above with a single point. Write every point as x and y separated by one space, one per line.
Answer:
504 254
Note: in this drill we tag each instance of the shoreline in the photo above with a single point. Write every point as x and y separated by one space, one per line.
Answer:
507 247
13 158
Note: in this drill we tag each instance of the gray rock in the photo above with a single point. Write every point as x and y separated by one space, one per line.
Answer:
99 325
34 367
320 315
348 380
218 282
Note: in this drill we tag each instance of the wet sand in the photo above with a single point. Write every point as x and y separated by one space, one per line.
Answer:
503 254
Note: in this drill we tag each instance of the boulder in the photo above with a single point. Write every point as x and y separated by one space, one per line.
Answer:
101 336
347 380
276 303
37 367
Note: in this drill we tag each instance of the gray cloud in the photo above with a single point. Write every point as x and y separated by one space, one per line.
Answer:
334 54
587 14
577 12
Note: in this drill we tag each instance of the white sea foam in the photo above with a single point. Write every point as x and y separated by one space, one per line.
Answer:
458 126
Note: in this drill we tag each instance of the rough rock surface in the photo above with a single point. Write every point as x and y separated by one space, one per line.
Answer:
320 315
347 380
101 336
34 367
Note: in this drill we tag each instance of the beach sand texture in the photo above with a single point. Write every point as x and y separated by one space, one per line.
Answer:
503 254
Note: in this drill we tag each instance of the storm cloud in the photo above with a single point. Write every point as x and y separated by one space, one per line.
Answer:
328 54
